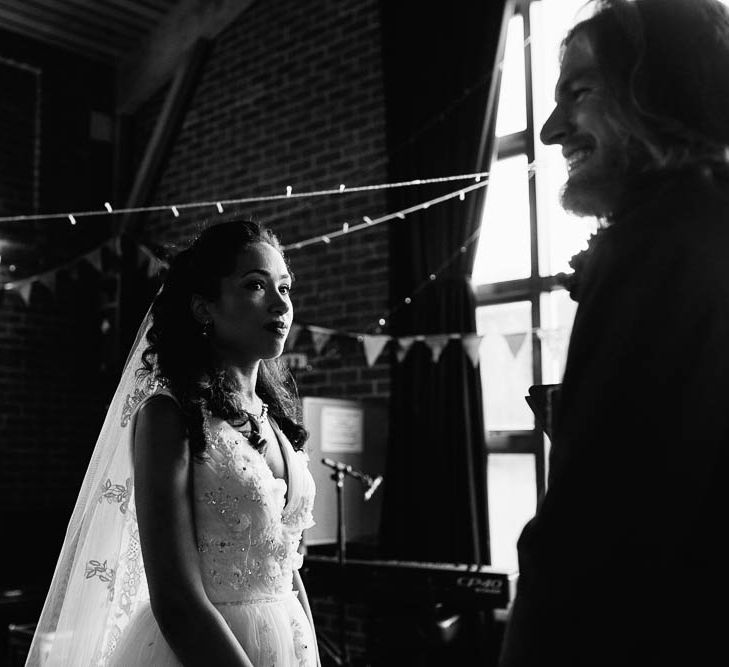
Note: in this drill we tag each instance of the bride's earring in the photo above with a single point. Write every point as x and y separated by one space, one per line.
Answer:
207 328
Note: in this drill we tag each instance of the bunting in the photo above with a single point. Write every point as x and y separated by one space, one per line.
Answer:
48 280
320 337
436 344
24 289
403 347
515 342
554 339
294 331
373 346
94 258
472 347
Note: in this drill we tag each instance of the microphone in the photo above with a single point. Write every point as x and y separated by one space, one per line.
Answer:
373 487
370 483
337 465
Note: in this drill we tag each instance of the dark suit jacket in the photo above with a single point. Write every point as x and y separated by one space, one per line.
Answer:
625 562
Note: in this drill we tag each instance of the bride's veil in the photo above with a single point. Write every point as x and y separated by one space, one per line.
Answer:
99 579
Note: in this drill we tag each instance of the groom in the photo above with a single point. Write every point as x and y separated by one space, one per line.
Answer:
626 561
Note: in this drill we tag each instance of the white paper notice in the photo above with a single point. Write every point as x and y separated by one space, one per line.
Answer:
341 429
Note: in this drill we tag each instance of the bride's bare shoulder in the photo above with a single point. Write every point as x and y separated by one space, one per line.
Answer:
160 423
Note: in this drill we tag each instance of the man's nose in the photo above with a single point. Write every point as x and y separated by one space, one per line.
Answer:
556 128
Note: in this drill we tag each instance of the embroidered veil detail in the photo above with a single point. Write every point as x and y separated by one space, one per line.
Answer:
99 578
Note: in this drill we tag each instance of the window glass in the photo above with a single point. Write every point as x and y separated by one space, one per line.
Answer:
506 365
561 234
504 246
557 313
511 115
512 489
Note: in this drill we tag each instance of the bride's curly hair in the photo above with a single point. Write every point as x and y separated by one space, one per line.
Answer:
179 355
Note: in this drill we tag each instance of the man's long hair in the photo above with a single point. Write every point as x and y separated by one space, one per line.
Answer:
666 63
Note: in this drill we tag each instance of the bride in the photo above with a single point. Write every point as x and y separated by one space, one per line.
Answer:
183 546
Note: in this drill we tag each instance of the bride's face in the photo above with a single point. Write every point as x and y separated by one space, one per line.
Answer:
252 316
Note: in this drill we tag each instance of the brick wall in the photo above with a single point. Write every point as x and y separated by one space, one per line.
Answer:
292 94
51 398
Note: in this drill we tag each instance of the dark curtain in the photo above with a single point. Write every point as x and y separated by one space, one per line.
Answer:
441 81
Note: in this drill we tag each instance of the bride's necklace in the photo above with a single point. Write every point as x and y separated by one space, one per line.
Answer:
264 412
250 427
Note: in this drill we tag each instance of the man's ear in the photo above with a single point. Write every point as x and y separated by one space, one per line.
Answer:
200 308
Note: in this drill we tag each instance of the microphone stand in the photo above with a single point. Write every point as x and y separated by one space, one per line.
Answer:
340 471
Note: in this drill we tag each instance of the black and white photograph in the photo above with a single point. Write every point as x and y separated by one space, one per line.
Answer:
364 333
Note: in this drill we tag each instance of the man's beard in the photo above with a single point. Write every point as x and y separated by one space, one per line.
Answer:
597 192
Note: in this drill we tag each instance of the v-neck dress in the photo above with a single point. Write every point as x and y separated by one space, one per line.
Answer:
248 526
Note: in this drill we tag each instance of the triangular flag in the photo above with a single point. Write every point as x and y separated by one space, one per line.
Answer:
153 267
403 346
294 331
48 280
555 340
373 346
320 337
515 341
94 258
436 344
24 290
472 346
142 256
114 246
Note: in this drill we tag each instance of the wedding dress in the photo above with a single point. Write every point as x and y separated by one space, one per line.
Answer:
248 524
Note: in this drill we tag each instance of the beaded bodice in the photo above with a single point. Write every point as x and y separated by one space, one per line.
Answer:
249 524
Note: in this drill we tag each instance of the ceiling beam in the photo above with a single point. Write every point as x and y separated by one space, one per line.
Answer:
42 32
152 13
112 13
91 24
166 128
158 56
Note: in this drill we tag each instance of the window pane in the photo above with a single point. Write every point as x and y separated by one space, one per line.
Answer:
561 234
506 365
511 116
557 313
512 489
504 248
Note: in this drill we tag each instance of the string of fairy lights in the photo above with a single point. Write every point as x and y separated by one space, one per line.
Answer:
481 180
219 205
